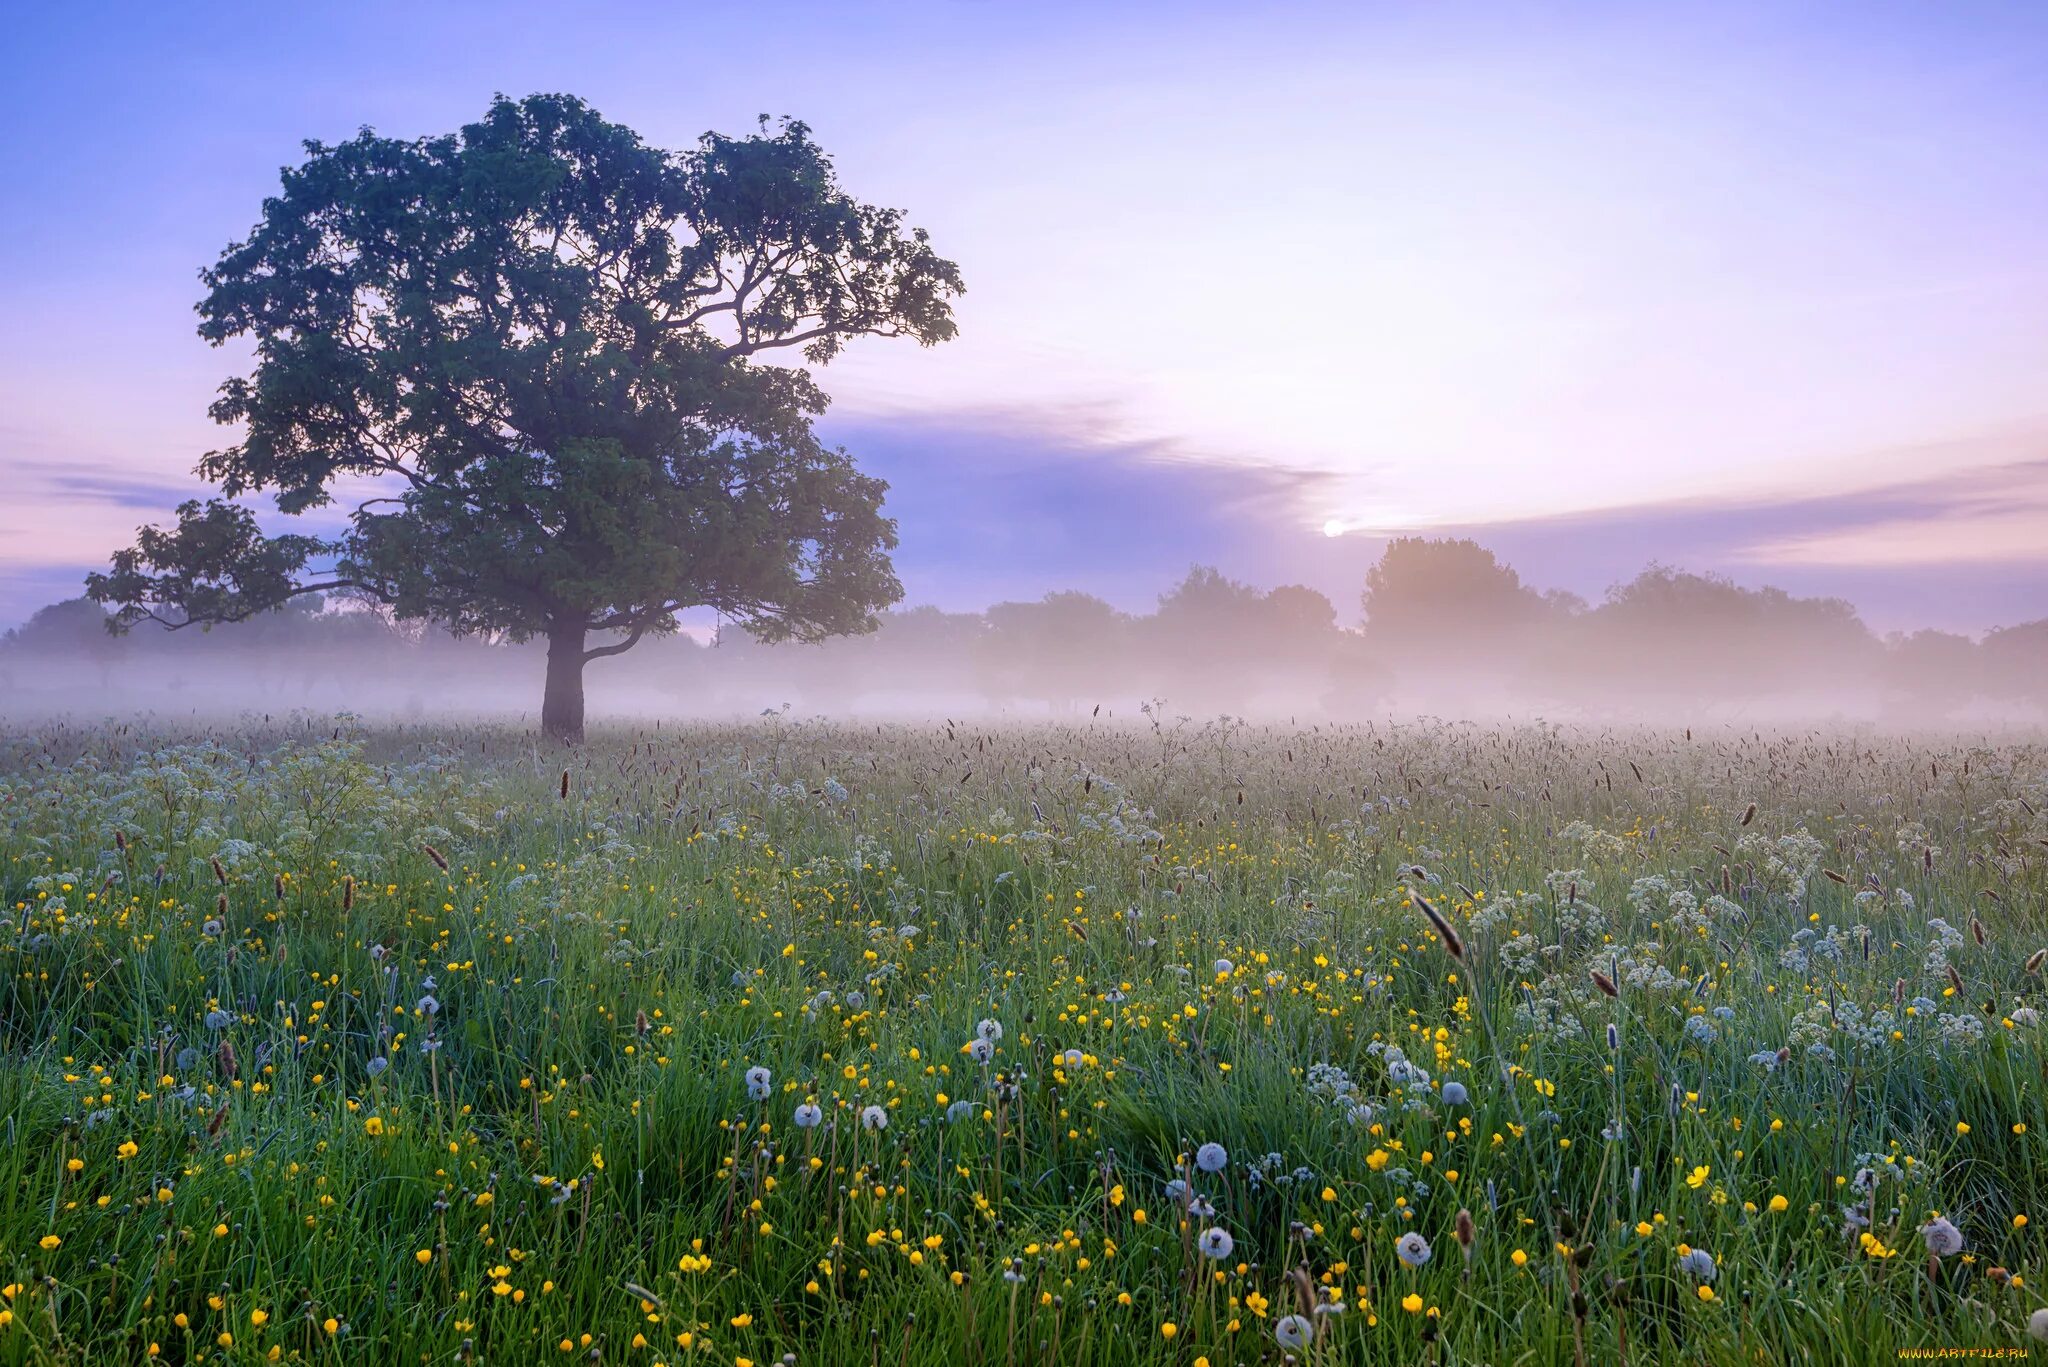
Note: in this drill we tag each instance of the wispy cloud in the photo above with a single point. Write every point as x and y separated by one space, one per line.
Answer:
100 482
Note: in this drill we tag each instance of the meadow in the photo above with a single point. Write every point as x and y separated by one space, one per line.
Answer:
1142 1041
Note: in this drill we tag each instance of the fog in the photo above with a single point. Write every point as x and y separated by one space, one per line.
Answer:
1439 628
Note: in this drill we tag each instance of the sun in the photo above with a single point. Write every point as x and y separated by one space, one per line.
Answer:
1333 528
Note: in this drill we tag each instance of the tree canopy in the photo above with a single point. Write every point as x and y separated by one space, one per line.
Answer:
534 356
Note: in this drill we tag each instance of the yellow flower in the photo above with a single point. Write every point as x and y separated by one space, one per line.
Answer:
374 1125
1697 1178
1519 1258
1779 1205
424 1256
49 1242
1705 1293
1168 1329
1412 1303
259 1318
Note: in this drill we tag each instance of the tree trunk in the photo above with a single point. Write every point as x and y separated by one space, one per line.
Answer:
561 707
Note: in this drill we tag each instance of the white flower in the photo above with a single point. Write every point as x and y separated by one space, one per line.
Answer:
1941 1237
2037 1324
1216 1243
1700 1263
1294 1331
427 1005
808 1116
959 1111
980 1050
1072 1058
1455 1094
874 1118
759 1083
1412 1249
990 1030
1224 968
1212 1157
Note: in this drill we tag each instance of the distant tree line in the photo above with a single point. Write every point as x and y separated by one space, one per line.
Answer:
1443 625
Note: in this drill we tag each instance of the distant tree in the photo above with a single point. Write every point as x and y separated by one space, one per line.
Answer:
2015 662
76 625
1061 648
1673 632
1298 612
75 629
537 339
1424 592
1932 671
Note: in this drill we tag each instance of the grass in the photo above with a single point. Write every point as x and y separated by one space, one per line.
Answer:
278 1086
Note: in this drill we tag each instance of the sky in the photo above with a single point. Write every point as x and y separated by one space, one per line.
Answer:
1758 289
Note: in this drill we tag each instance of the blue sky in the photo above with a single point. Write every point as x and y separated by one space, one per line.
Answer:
1759 288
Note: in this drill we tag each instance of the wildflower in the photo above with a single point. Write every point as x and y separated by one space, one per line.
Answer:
377 1065
990 1030
2037 1324
808 1116
1294 1331
1779 1205
1169 1330
1941 1237
1412 1303
218 1019
1412 1249
1454 1094
1699 1263
1212 1157
1216 1244
980 1049
874 1118
759 1084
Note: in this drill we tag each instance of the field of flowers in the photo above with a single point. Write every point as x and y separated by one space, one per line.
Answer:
1083 1042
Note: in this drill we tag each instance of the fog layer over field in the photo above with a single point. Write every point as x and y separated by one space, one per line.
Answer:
1441 628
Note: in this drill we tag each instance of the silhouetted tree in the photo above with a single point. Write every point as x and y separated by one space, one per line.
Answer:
2016 662
1932 672
538 338
1062 648
1425 592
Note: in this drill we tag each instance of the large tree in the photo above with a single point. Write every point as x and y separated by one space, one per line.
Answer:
534 357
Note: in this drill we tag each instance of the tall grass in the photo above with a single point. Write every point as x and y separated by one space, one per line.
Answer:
277 1085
